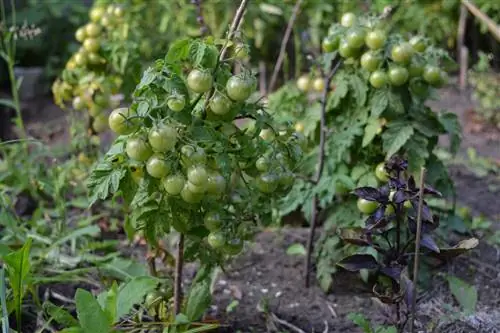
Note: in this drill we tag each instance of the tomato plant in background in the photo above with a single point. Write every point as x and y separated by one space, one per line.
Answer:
201 175
375 109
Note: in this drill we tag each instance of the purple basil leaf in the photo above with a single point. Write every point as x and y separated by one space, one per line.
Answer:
426 212
384 192
379 213
411 184
427 242
431 190
367 193
392 272
407 284
382 223
427 227
399 197
358 261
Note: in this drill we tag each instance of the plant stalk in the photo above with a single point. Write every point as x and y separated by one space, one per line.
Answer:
179 263
417 250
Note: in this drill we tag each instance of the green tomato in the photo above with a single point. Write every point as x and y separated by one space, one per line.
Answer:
200 81
220 104
402 53
78 103
433 75
137 172
91 45
355 38
189 196
119 12
262 164
81 59
345 50
100 123
366 207
370 61
239 88
118 121
418 44
267 182
319 84
96 14
216 240
174 184
330 43
233 246
198 175
378 79
216 183
375 39
348 20
138 149
240 51
102 100
389 210
419 87
80 34
381 173
176 103
304 83
267 134
398 76
196 189
93 29
213 220
162 138
415 69
157 167
286 179
95 59
95 110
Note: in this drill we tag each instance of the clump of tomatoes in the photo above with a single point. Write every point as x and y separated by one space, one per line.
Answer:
388 60
180 135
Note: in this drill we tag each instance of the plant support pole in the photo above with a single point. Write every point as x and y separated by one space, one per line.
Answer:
417 250
462 22
178 275
319 172
284 43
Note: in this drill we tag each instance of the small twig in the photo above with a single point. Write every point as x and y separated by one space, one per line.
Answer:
234 26
285 323
417 250
284 43
178 275
319 171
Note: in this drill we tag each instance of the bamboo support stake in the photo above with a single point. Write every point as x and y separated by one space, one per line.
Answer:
460 47
492 26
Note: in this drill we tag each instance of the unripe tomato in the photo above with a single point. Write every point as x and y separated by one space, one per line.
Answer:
216 240
239 88
70 64
176 103
299 127
189 196
398 76
174 184
199 81
348 20
95 110
345 50
378 79
419 87
102 99
319 84
233 246
81 59
96 14
216 183
366 207
95 59
80 34
100 123
418 44
286 179
78 103
118 121
213 221
196 189
198 175
262 164
157 167
267 134
137 172
240 51
107 21
267 182
415 69
119 12
303 83
370 61
355 38
389 210
91 45
433 75
220 104
330 43
375 39
381 173
402 53
162 138
137 149
93 29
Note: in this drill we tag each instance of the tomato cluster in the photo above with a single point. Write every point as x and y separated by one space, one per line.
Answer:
189 147
388 60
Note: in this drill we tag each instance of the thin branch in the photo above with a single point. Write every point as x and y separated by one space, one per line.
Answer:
417 250
284 42
178 275
234 26
492 26
286 324
319 172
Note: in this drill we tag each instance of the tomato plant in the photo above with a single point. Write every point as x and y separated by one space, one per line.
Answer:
376 110
204 177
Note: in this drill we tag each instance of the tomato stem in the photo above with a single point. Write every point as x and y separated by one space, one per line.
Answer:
179 263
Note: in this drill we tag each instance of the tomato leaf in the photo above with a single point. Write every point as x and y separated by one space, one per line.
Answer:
178 50
379 103
132 293
394 138
104 180
90 314
370 132
452 126
198 300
